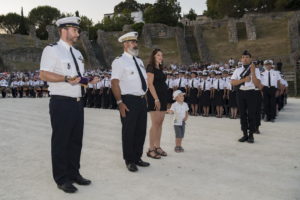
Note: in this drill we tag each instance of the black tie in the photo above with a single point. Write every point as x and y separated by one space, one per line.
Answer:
193 83
179 82
168 83
204 85
218 84
144 85
77 69
269 78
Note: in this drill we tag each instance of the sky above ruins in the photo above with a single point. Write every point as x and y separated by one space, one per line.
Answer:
94 9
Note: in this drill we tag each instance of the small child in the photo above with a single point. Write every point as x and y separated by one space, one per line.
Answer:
180 109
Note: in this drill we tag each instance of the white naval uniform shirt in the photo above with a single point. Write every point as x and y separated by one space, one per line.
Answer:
194 82
58 59
14 84
207 85
98 85
3 83
222 84
274 75
169 83
248 85
183 83
106 82
20 83
125 70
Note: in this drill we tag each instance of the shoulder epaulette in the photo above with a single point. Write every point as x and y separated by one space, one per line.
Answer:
118 56
53 44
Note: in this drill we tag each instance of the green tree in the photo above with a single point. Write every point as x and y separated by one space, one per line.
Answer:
23 28
191 15
126 7
116 22
42 16
10 22
85 23
164 11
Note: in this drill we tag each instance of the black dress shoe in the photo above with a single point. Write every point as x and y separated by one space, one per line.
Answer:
243 139
81 181
67 187
131 167
250 139
142 163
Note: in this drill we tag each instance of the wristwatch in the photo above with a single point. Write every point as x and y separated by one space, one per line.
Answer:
67 78
120 101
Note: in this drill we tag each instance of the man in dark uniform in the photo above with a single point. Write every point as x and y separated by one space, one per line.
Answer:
247 78
62 66
129 85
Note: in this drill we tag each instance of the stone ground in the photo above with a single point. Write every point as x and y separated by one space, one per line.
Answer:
214 166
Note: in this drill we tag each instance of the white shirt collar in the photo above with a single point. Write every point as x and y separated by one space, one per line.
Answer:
66 45
128 55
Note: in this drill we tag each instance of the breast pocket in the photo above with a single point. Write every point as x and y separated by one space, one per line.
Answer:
66 67
130 74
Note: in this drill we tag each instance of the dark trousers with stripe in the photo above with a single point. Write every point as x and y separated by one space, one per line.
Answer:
269 102
258 108
134 127
67 118
247 106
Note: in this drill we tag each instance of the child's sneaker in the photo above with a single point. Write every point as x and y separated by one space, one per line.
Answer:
177 149
181 149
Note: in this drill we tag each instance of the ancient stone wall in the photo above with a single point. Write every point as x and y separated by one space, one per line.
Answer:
53 35
156 31
232 31
88 48
105 46
182 47
201 45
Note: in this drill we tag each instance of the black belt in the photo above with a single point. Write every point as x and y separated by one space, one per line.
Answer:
131 95
65 98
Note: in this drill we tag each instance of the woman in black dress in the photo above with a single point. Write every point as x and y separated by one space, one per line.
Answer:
157 102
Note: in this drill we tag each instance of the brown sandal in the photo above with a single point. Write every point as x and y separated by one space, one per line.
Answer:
161 152
154 155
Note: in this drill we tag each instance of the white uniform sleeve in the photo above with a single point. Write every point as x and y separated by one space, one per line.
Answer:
117 70
48 59
235 75
257 73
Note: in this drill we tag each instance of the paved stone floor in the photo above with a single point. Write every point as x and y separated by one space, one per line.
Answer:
214 166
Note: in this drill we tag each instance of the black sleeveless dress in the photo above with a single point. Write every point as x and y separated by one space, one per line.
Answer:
161 89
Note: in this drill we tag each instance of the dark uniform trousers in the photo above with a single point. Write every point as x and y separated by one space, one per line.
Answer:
247 106
105 98
97 99
90 97
3 92
134 127
67 119
258 108
269 102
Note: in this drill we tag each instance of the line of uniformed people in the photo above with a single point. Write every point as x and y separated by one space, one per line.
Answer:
211 93
23 87
100 95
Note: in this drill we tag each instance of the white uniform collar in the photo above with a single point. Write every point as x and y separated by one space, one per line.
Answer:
128 55
64 44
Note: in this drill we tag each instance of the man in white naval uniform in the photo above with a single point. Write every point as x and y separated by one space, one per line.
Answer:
129 87
62 67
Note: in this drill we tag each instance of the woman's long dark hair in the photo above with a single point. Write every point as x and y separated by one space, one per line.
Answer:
152 63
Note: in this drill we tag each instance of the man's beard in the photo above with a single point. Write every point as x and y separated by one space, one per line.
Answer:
73 39
133 51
